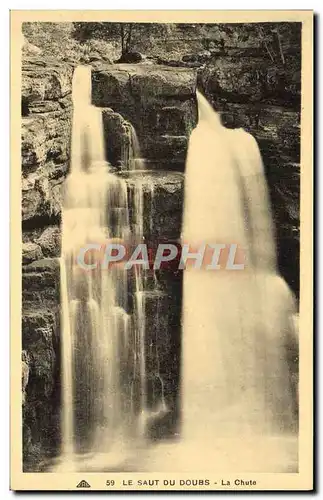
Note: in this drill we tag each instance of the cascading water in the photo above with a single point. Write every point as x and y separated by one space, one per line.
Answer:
146 281
237 395
99 344
236 382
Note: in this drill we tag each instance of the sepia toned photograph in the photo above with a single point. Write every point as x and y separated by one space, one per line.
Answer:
161 211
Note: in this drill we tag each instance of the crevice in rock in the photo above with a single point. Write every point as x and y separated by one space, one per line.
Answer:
41 222
24 107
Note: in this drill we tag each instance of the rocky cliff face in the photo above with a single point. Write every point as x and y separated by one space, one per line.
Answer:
159 101
46 124
251 86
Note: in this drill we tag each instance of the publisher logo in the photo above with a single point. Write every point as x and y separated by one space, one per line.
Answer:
83 484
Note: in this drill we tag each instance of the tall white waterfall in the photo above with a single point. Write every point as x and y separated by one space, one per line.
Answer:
100 375
238 402
237 394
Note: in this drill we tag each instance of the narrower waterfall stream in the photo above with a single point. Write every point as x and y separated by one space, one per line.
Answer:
105 403
99 344
146 284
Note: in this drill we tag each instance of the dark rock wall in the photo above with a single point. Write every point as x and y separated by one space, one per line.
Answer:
46 129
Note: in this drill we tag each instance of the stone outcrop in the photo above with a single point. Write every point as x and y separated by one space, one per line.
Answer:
163 203
46 126
158 101
248 79
40 363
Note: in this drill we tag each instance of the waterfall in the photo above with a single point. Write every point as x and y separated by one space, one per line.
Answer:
237 325
146 283
99 342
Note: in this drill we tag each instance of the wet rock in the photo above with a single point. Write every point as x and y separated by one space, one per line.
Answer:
284 188
176 119
166 117
167 146
163 198
117 139
112 83
31 252
50 241
159 102
165 164
162 362
275 128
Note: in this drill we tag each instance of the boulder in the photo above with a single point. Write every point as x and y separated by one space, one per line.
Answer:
130 57
113 83
164 82
45 137
50 241
30 252
45 79
41 285
41 198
